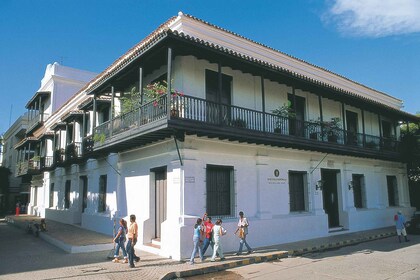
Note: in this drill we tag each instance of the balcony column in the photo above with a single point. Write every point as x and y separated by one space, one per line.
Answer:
363 128
344 123
169 78
219 89
141 85
380 132
94 114
39 109
321 118
83 132
111 113
66 141
29 151
263 101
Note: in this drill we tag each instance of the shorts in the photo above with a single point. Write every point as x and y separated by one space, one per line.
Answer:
399 231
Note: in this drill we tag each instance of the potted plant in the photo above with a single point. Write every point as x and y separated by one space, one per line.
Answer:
238 123
154 92
283 113
331 129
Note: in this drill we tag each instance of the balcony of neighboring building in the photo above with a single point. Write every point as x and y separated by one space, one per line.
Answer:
28 162
37 110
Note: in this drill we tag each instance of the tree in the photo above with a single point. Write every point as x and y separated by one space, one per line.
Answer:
410 148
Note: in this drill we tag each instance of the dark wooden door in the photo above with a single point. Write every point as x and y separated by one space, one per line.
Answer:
160 200
296 124
330 196
351 122
218 107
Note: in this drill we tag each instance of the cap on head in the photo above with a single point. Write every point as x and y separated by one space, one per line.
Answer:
241 213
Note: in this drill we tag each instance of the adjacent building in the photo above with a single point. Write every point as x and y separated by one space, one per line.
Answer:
30 134
238 126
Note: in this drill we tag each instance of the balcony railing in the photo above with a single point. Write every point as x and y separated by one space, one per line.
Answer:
47 162
221 115
38 118
74 150
25 167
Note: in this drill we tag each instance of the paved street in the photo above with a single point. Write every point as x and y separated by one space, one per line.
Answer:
380 259
28 257
25 256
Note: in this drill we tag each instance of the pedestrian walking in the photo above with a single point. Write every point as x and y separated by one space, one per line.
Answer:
208 238
400 226
120 239
218 232
242 232
198 232
132 239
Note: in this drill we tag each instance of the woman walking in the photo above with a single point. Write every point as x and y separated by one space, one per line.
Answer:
132 239
120 240
243 232
218 231
198 231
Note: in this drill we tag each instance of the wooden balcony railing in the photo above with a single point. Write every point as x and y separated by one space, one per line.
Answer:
38 118
25 167
221 115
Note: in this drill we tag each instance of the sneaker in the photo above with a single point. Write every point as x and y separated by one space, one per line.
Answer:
137 259
125 261
236 254
132 266
116 260
222 259
212 260
250 252
191 263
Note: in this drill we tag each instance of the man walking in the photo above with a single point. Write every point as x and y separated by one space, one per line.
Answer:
400 226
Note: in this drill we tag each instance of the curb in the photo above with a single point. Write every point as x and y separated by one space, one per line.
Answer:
275 256
324 247
224 266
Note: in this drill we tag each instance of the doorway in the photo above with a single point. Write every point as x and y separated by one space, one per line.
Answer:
160 200
351 122
218 105
296 124
330 196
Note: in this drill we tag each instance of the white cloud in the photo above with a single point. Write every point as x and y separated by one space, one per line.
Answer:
375 18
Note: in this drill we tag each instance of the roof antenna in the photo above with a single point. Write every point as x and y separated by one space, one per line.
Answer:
10 115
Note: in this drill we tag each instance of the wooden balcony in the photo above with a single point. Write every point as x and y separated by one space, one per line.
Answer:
28 167
191 115
47 163
37 121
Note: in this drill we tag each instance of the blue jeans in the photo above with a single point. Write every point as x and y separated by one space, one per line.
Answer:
206 243
120 244
197 246
130 252
241 245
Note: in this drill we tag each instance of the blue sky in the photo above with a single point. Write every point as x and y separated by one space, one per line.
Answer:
374 42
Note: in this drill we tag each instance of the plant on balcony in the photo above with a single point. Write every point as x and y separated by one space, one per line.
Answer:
331 129
35 158
283 112
238 123
154 92
99 137
131 100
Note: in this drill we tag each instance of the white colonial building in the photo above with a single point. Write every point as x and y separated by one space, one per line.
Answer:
304 152
34 152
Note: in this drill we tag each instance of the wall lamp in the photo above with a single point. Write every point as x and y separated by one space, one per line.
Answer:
319 185
351 185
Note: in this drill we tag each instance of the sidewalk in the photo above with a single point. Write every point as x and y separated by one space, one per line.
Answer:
74 239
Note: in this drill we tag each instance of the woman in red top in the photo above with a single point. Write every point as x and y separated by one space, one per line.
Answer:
208 226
